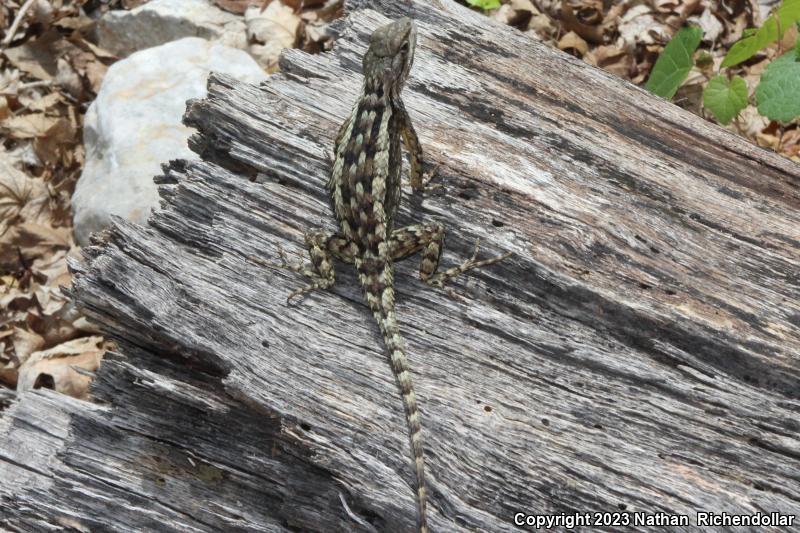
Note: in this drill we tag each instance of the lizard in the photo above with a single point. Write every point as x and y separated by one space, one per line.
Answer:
364 188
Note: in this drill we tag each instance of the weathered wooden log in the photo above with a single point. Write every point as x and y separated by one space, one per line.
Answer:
638 353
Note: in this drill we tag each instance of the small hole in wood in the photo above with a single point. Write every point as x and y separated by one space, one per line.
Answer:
670 292
545 421
487 408
265 343
498 223
644 286
621 506
305 427
598 426
655 250
468 194
44 381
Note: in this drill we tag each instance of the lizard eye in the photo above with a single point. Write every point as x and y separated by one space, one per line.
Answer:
404 48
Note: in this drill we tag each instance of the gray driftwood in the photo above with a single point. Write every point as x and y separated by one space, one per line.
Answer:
639 352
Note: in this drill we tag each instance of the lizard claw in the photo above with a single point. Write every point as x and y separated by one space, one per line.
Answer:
455 295
427 177
424 184
285 264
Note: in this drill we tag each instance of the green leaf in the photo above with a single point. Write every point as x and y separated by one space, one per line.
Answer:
725 99
674 63
778 92
769 32
486 5
797 44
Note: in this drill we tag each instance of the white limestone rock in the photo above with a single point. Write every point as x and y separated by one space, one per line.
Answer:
161 21
134 126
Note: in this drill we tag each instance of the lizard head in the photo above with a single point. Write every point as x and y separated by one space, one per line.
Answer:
390 54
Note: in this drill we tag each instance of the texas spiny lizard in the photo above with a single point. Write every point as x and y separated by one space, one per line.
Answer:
365 191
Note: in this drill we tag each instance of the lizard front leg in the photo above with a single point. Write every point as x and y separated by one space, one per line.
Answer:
429 238
322 246
418 179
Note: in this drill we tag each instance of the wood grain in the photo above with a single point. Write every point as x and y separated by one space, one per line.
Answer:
639 352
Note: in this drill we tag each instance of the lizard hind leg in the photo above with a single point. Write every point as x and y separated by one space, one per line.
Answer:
429 238
322 247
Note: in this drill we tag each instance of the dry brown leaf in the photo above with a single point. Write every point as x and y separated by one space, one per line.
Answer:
571 22
666 6
735 30
53 269
751 123
638 26
28 126
767 140
542 27
690 95
711 26
29 241
50 273
21 198
9 81
48 133
589 12
33 101
5 111
60 141
505 14
611 59
25 343
517 13
51 300
37 57
613 16
573 44
79 22
524 5
684 10
95 72
14 299
63 367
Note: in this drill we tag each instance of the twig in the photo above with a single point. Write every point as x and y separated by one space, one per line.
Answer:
15 25
25 86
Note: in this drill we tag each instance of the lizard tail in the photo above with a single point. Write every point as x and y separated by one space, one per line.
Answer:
380 298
